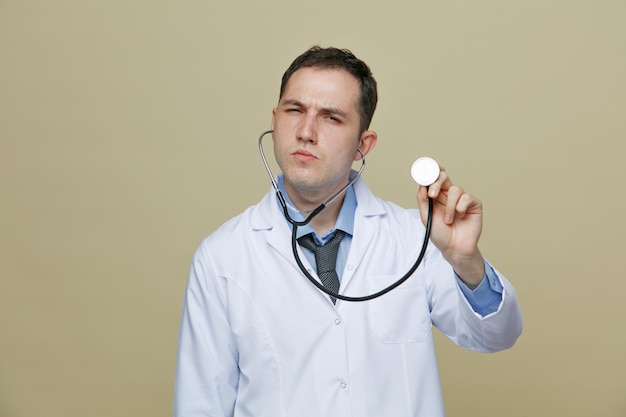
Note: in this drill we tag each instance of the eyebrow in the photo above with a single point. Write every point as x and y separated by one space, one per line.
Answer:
329 110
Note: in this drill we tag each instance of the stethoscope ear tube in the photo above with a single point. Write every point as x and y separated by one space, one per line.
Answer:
407 275
281 198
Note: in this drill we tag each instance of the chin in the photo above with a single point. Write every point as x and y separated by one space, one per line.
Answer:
303 182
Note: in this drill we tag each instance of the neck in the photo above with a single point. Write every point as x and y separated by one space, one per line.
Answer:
325 220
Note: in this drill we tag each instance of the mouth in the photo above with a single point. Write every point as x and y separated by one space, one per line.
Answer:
303 155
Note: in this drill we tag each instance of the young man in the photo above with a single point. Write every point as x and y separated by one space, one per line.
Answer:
258 339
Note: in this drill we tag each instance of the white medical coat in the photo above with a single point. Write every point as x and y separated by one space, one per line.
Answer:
258 339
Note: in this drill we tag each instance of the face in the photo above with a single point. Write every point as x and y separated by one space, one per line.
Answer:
316 133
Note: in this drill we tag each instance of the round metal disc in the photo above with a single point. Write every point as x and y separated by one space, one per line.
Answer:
425 171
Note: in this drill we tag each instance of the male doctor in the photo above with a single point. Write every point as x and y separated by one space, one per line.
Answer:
257 339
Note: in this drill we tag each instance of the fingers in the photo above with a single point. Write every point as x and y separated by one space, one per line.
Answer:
422 203
459 204
452 203
443 182
452 198
468 204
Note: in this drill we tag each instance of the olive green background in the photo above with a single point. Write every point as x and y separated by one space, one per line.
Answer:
128 133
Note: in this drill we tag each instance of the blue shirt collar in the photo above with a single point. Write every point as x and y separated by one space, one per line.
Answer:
345 221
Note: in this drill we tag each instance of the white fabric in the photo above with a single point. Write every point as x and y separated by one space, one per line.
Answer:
258 339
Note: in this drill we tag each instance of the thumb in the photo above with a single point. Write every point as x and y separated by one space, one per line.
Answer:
422 203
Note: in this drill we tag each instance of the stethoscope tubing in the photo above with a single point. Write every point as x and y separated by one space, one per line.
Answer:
295 224
407 275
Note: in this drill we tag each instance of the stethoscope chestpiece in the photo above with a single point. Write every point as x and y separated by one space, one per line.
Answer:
425 171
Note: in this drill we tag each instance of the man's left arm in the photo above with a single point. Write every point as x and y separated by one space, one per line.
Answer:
490 315
485 298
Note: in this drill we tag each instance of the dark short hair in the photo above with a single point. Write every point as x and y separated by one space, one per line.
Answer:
335 58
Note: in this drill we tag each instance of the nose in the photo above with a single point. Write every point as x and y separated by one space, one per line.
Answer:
307 129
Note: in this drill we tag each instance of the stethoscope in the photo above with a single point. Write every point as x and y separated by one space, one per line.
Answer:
424 171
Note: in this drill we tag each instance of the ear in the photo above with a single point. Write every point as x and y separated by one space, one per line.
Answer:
273 116
366 143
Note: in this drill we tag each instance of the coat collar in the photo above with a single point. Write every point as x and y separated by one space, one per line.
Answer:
268 215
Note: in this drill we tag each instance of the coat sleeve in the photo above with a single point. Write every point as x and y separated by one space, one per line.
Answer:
206 373
454 316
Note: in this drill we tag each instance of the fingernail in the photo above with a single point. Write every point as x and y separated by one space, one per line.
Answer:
448 219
